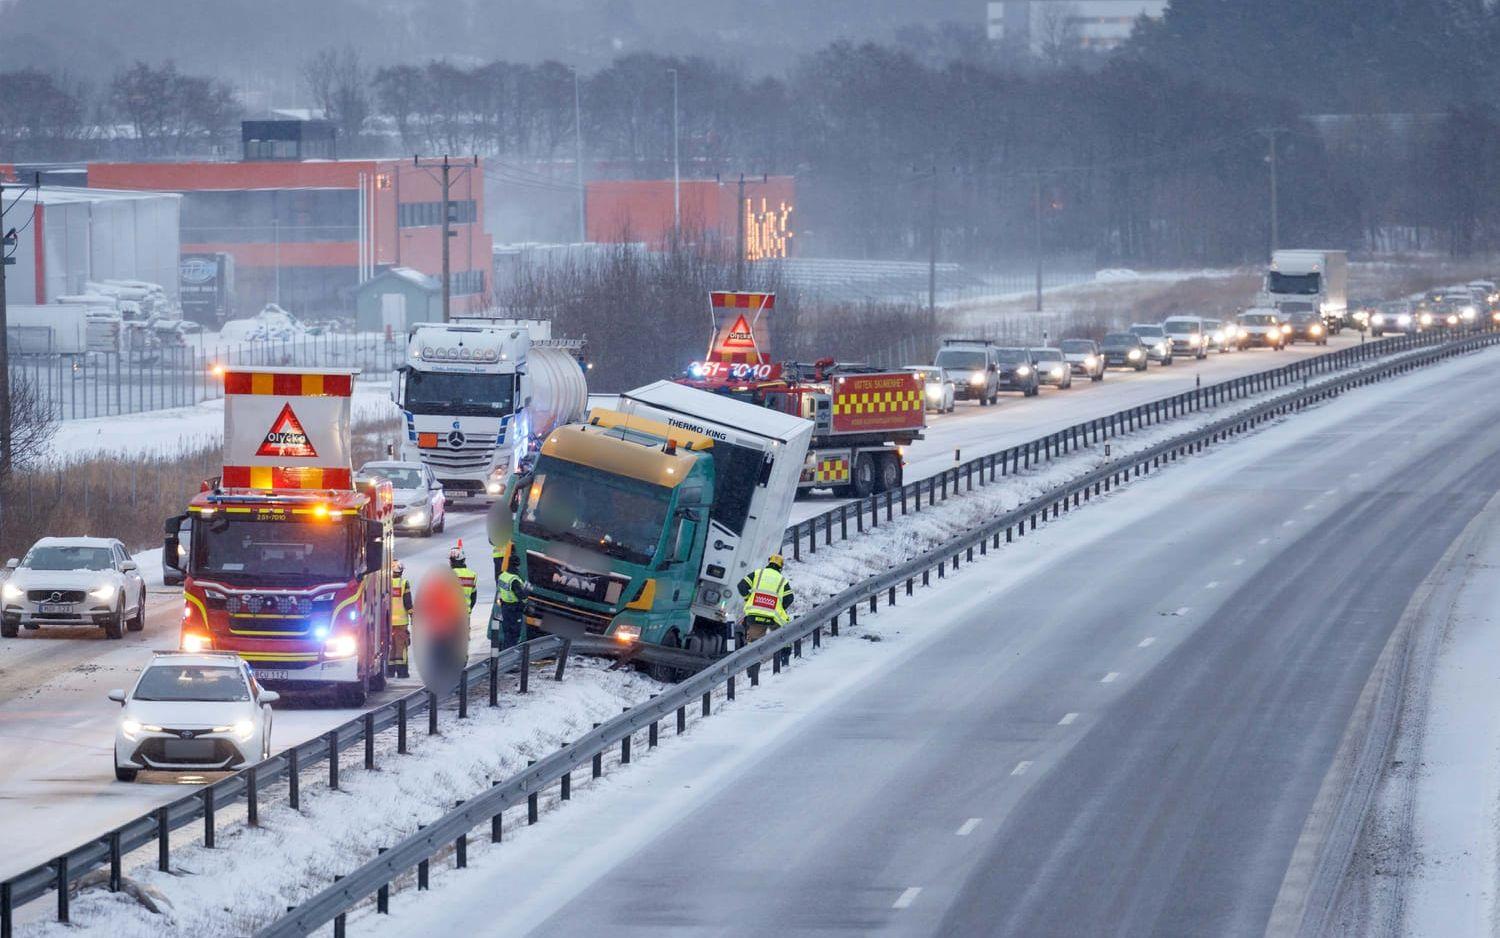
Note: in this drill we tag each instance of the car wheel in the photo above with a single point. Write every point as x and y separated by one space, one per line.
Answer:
138 621
125 775
1098 377
115 626
353 696
9 629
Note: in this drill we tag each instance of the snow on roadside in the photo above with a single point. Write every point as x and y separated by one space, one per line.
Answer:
253 874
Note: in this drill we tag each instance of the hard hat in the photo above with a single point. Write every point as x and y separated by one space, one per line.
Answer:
456 554
397 567
776 560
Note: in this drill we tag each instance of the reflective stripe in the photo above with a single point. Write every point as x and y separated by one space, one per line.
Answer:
505 589
767 589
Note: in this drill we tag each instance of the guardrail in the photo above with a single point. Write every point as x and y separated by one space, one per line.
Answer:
452 830
937 487
249 783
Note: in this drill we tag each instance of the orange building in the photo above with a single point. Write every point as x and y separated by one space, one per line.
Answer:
305 233
642 210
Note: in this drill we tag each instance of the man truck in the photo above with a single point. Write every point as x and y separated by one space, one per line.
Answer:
477 396
633 528
1310 281
289 560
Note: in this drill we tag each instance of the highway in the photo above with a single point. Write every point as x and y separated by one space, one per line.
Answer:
1119 728
59 726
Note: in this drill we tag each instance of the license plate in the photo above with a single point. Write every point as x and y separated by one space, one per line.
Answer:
273 674
57 607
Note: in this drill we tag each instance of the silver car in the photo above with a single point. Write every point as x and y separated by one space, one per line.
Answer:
1052 368
1085 357
938 392
421 506
73 581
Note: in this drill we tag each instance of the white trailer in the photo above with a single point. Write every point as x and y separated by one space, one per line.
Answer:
477 397
49 329
1305 280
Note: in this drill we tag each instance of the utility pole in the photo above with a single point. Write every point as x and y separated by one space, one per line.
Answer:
676 170
932 201
578 157
1036 234
447 233
5 260
739 254
1270 133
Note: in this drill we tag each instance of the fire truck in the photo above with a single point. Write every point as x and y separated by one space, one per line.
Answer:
288 563
863 417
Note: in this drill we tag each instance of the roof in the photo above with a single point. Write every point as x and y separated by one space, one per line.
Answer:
691 403
203 659
75 542
606 450
415 277
73 195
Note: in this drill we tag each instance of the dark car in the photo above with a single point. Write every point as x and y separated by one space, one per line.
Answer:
1306 327
1123 350
1263 327
1018 371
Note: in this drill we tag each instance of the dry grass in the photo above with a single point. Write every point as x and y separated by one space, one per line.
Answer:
125 497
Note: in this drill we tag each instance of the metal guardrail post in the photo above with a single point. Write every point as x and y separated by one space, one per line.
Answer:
333 759
432 713
252 796
208 816
401 726
369 735
525 665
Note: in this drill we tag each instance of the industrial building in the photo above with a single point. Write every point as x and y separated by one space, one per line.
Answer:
647 211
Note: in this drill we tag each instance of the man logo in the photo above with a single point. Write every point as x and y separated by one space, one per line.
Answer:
575 582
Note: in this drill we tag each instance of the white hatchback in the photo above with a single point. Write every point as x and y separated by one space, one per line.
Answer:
192 713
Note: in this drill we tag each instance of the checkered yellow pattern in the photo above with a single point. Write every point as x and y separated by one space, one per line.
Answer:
833 469
877 402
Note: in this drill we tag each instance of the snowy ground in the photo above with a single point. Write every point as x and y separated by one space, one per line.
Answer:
1426 863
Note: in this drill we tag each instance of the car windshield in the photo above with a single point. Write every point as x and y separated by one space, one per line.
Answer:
1048 355
1011 356
610 513
953 358
1077 346
1257 319
217 683
1294 284
401 478
1183 325
1148 332
59 557
232 548
459 393
1121 340
1302 319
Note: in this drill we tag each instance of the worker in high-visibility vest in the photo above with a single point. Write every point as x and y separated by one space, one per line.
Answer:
768 596
497 557
467 579
508 616
399 663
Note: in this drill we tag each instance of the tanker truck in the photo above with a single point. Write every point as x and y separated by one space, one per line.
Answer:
478 396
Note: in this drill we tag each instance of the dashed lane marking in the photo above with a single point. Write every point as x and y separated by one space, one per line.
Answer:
907 897
1147 642
967 827
1067 718
1211 585
1182 610
1239 561
1020 768
1110 678
1265 540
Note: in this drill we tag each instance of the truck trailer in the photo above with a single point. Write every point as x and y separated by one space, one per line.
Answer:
289 560
633 528
1310 281
478 396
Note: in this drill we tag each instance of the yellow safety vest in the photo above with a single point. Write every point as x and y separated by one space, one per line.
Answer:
505 589
496 553
767 590
399 616
467 579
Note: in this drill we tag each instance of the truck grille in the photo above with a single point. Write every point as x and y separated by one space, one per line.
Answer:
268 625
546 573
267 604
593 623
55 596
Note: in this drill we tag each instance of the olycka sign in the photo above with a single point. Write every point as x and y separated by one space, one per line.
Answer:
740 328
287 438
287 421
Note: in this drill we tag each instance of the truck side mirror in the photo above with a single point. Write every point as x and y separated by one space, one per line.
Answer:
374 546
766 465
171 544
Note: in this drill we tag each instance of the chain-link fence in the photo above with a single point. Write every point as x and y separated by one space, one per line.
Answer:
106 384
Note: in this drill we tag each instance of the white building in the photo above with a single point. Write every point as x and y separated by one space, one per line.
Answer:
1091 24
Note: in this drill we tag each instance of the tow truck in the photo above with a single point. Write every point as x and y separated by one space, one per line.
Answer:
289 560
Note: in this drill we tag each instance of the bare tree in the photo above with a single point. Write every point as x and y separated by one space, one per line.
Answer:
31 426
1055 33
340 84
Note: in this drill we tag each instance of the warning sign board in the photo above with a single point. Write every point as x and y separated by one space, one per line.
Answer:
740 335
287 438
285 429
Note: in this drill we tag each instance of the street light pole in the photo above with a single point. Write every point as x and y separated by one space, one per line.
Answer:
578 157
676 166
1036 237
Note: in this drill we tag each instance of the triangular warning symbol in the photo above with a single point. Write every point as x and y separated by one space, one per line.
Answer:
287 438
739 335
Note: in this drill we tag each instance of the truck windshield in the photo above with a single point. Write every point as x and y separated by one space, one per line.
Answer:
459 393
239 549
613 514
1296 284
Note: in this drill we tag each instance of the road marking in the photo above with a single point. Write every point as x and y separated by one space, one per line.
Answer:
1309 506
1147 642
1020 768
1265 540
1067 718
82 723
967 827
907 897
1182 610
1211 585
1239 561
1287 523
1109 678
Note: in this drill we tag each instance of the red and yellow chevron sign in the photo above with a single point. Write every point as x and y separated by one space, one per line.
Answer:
283 477
878 402
722 299
288 384
832 469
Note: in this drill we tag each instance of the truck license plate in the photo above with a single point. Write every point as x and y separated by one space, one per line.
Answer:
57 607
272 674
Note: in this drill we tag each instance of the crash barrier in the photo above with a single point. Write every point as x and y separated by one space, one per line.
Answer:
250 784
451 832
835 523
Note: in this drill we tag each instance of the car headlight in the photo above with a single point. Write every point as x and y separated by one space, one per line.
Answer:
1425 319
1056 372
242 730
1315 330
934 392
627 633
1160 348
11 591
416 519
1194 341
1134 355
1378 319
130 729
1403 319
341 646
1286 329
1219 337
1452 320
1023 371
1090 360
977 378
103 591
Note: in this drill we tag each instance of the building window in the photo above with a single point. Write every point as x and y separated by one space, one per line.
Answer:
429 214
466 282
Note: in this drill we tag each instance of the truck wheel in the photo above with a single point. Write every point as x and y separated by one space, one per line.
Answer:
114 627
354 695
377 677
138 621
864 480
9 629
890 472
665 672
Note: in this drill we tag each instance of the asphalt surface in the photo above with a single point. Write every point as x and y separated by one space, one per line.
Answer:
1132 736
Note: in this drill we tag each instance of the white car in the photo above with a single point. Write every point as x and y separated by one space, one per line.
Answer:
938 391
73 581
421 506
199 712
1052 368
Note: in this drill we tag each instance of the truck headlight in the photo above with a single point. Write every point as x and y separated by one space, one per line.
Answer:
1425 319
1403 319
1378 319
103 591
626 634
1194 341
492 487
341 646
195 642
1314 330
11 591
1469 313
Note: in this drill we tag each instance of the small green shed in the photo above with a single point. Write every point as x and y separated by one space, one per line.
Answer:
395 299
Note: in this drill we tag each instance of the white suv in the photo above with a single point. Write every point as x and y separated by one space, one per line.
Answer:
73 581
192 713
